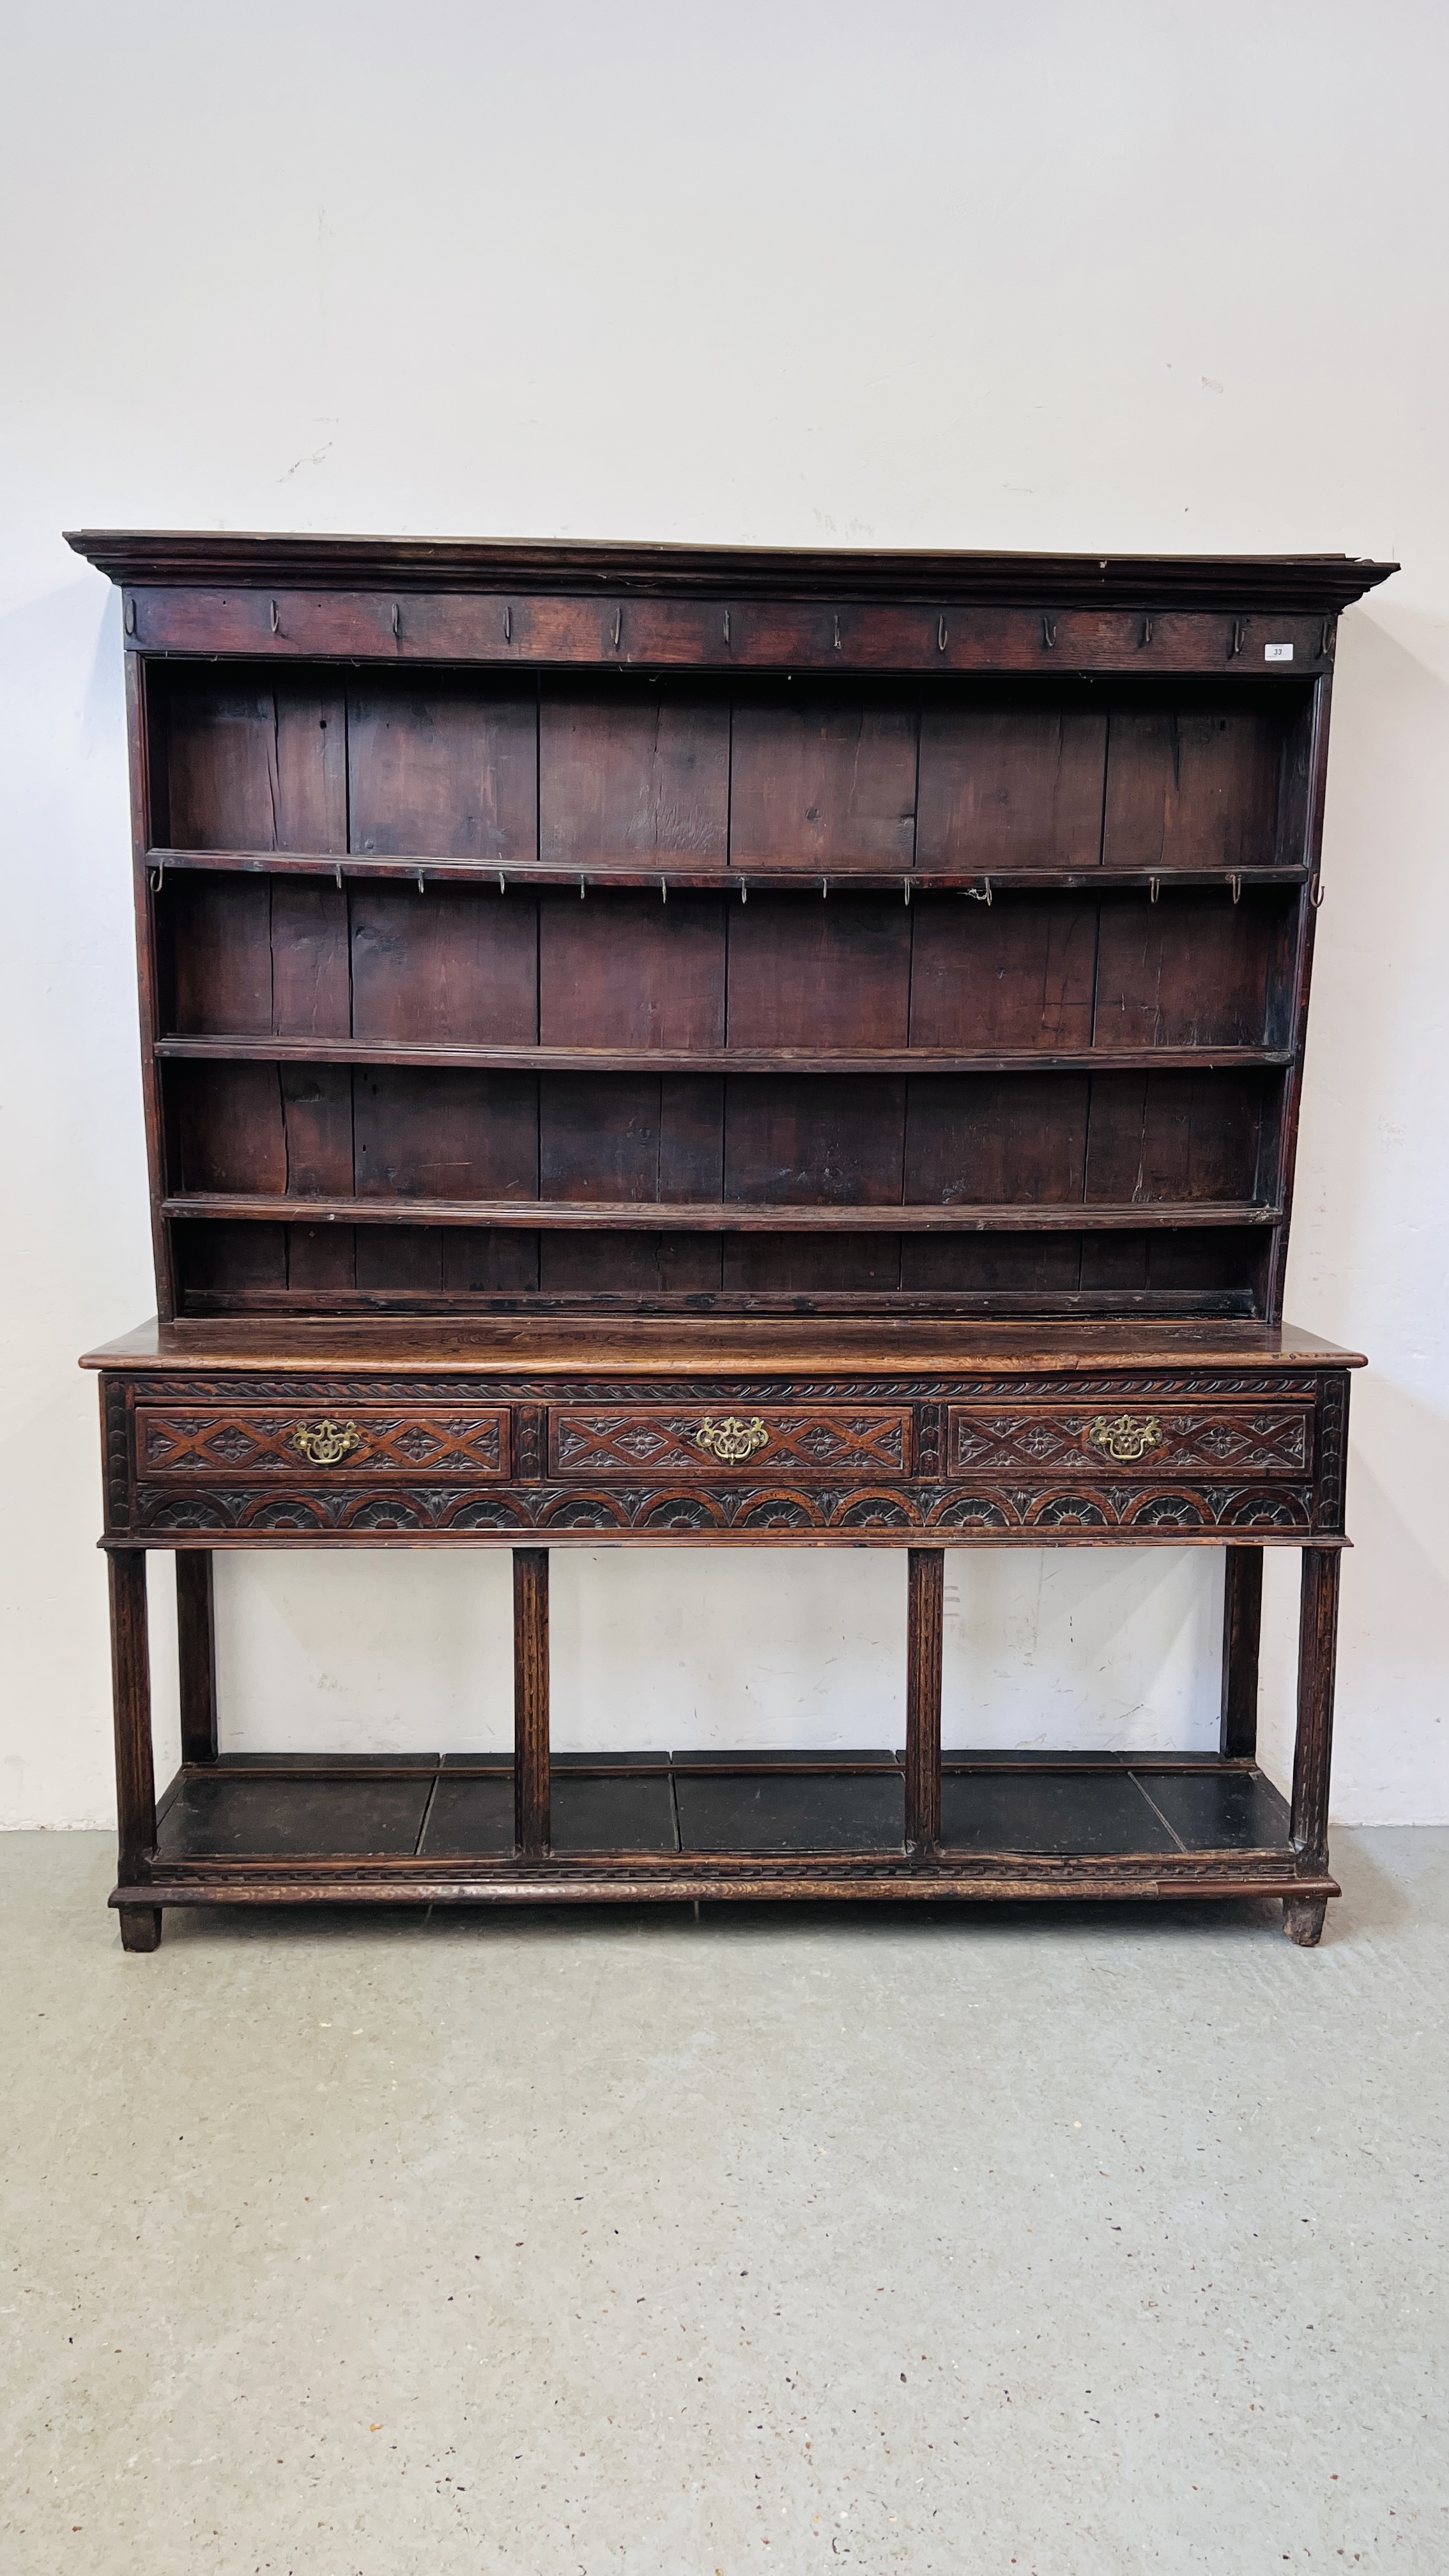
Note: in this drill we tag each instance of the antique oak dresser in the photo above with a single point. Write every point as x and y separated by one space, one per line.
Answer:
684 1047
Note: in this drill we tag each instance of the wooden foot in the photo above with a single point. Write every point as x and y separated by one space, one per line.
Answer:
1303 1919
140 1927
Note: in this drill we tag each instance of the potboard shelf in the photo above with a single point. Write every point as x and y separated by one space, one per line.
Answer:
728 1808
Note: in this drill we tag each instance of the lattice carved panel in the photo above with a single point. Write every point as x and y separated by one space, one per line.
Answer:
253 1441
622 1440
1266 1440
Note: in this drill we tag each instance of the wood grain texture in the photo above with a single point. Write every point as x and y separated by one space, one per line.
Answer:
1242 1630
637 777
531 1766
1317 1662
925 1598
735 1349
1193 789
1006 783
196 1654
438 766
131 1693
824 785
1321 583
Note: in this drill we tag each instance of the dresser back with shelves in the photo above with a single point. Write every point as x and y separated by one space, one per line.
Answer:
647 931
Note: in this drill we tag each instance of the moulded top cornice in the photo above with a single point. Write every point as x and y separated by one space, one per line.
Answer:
204 559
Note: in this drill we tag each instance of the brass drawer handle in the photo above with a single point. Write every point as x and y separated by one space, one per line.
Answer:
1125 1436
732 1441
323 1444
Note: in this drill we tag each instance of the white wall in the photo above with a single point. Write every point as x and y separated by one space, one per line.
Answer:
958 275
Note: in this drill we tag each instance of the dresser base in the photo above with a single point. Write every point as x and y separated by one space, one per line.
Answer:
1094 1437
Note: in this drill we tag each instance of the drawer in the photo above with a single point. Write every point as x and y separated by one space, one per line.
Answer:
707 1441
304 1444
1129 1437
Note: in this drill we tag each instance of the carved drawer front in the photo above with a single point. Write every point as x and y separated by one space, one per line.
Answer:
706 1441
1130 1436
307 1444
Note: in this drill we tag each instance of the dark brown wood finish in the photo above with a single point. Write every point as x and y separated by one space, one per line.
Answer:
196 1652
1318 1651
531 1788
625 1032
1242 1628
925 1603
135 1774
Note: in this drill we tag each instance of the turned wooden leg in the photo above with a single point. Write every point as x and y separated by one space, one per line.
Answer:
1313 1750
135 1776
531 1777
1242 1628
926 1584
196 1644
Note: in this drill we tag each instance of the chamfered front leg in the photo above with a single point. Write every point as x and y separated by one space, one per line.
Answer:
531 1770
924 1623
196 1646
135 1776
1242 1629
1313 1751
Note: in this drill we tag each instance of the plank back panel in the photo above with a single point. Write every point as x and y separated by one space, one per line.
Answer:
634 777
1193 788
806 971
454 965
823 1140
311 963
219 937
442 768
228 1127
1174 1136
1017 972
445 1135
1011 782
1007 1139
1190 970
248 759
823 783
628 970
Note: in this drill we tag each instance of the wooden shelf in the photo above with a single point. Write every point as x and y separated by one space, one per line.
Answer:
728 1216
720 878
726 1060
540 1059
1094 1305
629 1809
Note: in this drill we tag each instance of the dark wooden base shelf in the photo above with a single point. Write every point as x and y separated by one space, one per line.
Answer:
429 1829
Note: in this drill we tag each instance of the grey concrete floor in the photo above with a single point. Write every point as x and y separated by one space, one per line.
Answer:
1095 2240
